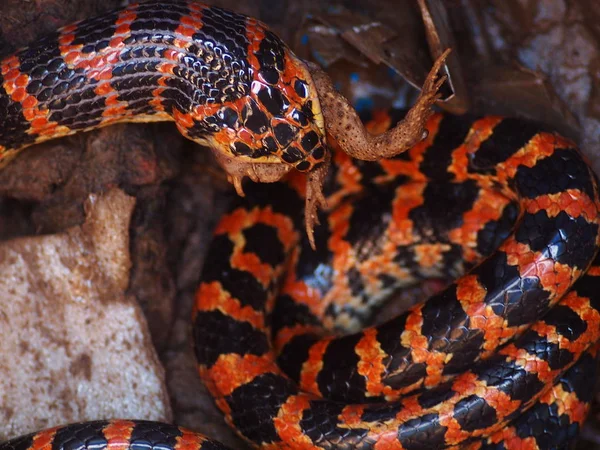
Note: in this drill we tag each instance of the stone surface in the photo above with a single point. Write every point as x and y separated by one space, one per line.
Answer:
74 346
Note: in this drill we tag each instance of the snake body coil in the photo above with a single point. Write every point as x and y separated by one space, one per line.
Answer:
447 373
498 359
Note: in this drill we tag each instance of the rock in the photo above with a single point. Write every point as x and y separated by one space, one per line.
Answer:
75 347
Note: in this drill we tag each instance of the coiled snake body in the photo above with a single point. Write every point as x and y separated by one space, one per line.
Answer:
501 358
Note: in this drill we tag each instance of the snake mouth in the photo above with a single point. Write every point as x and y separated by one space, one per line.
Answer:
265 170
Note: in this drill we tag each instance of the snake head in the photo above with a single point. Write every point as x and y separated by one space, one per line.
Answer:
266 121
279 121
276 124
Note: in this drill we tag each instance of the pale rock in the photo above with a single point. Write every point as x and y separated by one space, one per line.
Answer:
74 346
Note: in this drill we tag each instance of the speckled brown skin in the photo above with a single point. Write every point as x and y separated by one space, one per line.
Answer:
344 125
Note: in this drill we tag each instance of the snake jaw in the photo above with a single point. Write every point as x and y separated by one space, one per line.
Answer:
237 169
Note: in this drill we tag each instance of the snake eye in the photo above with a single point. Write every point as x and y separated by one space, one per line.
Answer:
301 88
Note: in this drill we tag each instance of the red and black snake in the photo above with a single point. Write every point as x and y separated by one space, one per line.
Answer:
503 357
